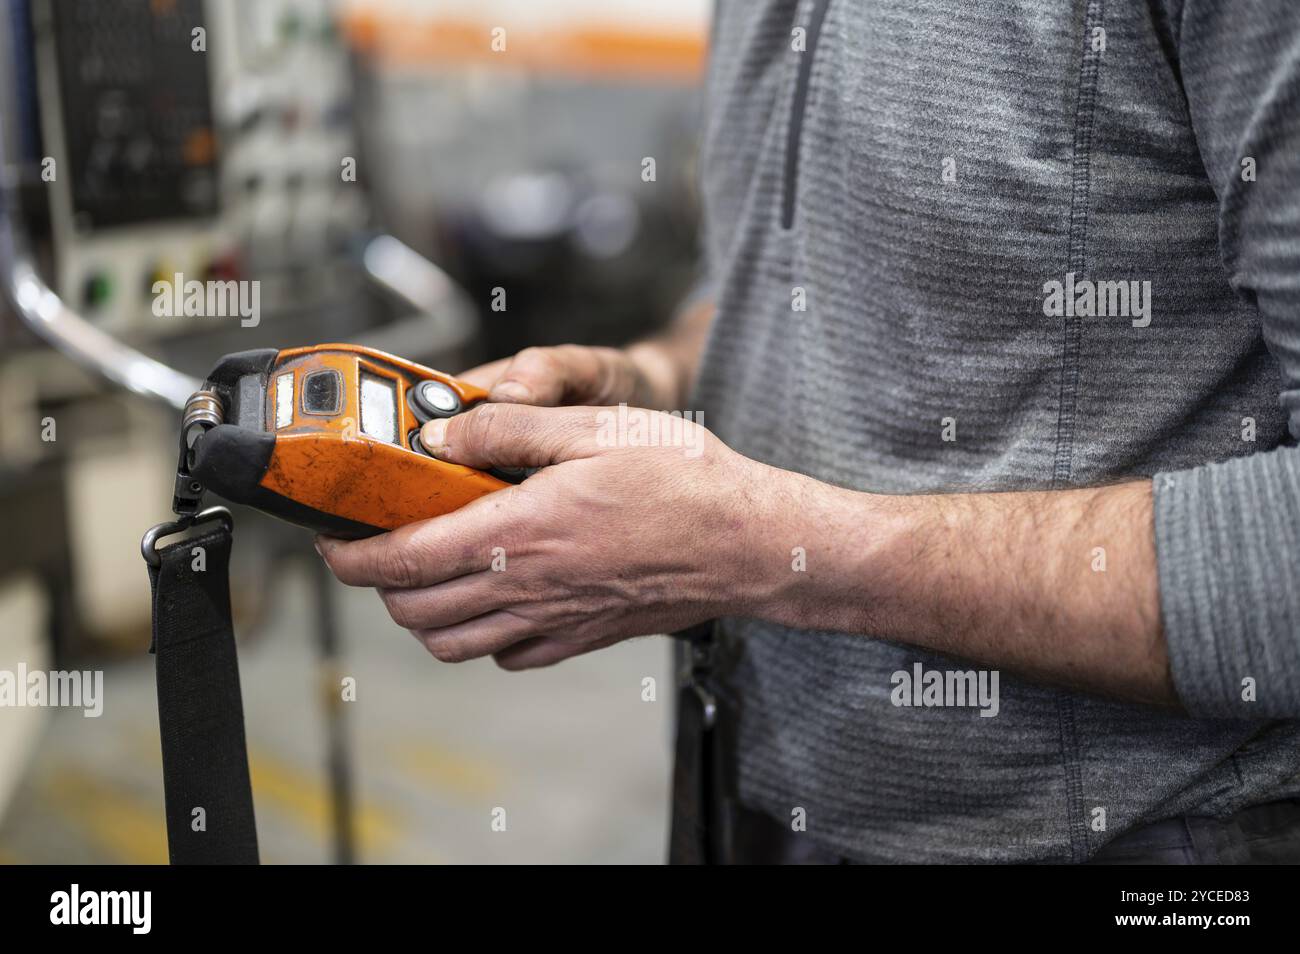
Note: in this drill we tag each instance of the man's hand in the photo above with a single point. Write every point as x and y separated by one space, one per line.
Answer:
605 542
655 373
610 541
644 375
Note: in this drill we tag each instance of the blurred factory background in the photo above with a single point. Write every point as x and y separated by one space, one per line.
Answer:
128 156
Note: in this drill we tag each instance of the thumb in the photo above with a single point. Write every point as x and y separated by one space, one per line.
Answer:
512 435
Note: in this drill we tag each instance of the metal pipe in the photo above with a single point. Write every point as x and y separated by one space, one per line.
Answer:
46 314
448 317
50 318
388 263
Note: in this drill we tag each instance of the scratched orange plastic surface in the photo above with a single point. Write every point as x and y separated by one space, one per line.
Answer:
325 462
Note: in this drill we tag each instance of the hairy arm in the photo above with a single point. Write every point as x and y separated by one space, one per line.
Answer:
1059 586
614 539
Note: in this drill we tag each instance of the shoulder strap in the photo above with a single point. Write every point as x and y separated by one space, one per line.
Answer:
200 711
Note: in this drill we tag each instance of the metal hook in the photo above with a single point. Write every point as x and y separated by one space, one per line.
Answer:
149 542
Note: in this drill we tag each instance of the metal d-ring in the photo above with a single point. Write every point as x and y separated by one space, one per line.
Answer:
149 542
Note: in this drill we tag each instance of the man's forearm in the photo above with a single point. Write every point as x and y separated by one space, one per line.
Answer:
1060 586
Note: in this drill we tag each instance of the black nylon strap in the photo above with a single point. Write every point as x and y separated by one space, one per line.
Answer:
200 711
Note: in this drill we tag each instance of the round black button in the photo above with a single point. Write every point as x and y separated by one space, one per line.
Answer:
430 399
417 445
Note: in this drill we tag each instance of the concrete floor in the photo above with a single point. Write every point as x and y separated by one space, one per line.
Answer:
578 761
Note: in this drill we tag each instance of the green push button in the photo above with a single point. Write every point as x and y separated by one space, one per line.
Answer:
97 290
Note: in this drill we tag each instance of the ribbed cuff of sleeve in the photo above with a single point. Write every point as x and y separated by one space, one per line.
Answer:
1228 556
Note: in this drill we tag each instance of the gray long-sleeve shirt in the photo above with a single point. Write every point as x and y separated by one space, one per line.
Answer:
916 178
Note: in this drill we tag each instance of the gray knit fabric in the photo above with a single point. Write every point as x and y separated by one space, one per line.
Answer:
1105 139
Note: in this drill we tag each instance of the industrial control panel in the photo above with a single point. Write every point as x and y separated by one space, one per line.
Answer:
193 140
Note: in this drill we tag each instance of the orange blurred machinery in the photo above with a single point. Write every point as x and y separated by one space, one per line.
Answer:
326 437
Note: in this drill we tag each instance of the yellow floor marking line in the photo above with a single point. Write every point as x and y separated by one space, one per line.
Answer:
445 769
299 796
282 787
302 797
129 828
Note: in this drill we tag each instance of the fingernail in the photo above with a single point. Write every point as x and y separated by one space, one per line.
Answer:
319 544
434 436
511 391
